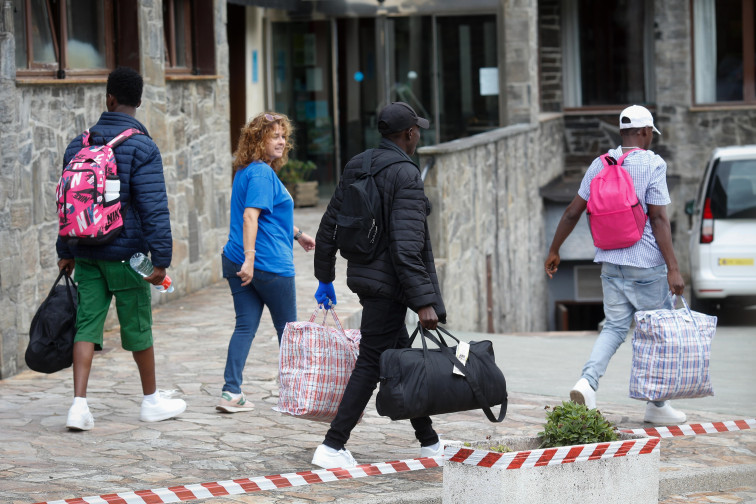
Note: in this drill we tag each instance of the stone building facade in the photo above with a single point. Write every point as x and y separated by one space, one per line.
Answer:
187 117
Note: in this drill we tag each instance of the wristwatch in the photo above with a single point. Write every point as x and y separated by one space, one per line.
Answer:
296 236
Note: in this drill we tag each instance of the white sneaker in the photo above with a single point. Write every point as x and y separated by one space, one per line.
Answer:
583 393
162 409
663 415
435 450
328 458
79 419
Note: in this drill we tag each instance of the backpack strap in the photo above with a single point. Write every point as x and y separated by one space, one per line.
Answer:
367 160
609 160
386 163
622 159
85 138
121 137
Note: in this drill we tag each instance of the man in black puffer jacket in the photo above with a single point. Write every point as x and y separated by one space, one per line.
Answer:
103 271
402 275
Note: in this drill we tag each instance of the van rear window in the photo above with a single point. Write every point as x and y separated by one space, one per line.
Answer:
733 190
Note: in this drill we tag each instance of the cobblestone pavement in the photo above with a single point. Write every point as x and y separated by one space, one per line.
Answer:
41 461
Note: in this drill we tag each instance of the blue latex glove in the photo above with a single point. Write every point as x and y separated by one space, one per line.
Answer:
325 295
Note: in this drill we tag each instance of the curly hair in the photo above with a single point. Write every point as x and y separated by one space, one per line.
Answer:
254 136
125 84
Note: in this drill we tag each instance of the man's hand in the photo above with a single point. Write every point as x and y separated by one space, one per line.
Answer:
428 317
325 295
551 263
676 282
157 277
67 264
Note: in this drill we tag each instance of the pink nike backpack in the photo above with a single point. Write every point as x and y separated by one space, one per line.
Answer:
615 215
88 193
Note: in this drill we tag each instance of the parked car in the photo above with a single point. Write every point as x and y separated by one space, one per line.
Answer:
723 232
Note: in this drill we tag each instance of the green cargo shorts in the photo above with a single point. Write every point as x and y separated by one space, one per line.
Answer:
97 283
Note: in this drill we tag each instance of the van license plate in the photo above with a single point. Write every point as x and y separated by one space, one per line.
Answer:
727 261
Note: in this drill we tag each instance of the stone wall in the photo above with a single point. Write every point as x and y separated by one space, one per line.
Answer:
189 121
487 224
518 55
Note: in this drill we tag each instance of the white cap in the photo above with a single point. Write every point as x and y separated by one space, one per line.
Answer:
637 117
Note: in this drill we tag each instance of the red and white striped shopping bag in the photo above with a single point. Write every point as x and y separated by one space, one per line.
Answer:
671 352
314 366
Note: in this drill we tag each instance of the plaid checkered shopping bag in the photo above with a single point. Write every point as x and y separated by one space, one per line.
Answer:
314 366
671 351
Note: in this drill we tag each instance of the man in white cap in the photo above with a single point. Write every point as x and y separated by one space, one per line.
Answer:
632 278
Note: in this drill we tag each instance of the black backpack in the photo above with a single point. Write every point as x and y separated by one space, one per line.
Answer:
52 330
359 223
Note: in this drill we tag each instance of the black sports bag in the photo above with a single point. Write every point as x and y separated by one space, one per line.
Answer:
417 382
52 330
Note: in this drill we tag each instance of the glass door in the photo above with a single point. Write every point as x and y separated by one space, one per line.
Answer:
302 89
382 60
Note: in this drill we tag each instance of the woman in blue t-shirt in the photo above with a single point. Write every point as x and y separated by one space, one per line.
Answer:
258 259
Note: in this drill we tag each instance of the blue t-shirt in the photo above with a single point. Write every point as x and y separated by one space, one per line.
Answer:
258 186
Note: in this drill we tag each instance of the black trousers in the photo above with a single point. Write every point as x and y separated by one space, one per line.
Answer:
382 328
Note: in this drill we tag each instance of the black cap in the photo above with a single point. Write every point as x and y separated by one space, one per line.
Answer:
399 116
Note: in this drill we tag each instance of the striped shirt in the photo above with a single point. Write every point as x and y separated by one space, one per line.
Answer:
649 174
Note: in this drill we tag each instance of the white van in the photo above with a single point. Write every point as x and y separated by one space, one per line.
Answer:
723 232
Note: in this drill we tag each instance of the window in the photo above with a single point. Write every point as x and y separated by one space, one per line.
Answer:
733 191
189 36
725 50
467 75
63 38
608 52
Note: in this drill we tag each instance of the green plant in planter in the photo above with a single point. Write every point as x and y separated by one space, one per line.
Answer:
574 424
295 171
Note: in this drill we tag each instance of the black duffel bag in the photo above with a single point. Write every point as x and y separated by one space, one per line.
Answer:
417 382
52 330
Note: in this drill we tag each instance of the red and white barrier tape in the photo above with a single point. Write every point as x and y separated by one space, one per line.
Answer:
257 484
695 429
513 460
552 456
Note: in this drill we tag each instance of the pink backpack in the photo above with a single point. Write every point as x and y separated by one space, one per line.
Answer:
88 192
615 215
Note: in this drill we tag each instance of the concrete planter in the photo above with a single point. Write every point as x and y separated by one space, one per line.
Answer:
619 472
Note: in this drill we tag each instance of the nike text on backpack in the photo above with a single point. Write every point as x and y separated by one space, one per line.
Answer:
359 223
88 193
615 215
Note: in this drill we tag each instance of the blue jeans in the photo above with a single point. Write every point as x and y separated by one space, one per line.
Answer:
266 289
627 289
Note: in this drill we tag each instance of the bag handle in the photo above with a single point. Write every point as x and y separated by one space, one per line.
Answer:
69 284
417 330
687 308
325 316
446 351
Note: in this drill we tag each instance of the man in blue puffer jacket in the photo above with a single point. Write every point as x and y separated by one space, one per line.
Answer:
103 271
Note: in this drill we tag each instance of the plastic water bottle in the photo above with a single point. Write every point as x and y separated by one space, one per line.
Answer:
142 265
